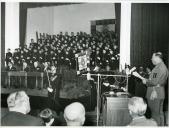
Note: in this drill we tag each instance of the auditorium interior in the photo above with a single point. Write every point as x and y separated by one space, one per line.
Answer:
83 52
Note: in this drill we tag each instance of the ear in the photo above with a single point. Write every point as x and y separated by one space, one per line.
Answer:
83 120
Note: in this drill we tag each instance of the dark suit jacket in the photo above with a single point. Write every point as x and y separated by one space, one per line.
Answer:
10 69
142 121
19 119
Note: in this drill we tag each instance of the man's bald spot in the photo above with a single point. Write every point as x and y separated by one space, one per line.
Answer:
74 111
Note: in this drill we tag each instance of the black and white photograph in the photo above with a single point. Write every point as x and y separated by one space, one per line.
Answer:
84 63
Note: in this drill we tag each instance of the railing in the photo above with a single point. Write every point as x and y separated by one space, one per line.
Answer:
21 76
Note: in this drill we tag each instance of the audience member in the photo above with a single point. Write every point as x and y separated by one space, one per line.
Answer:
137 108
47 117
19 107
74 114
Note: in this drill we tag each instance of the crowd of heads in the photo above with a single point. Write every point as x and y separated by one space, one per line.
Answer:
18 102
74 114
60 49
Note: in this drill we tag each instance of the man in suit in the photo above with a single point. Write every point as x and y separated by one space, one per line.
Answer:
19 107
13 79
137 108
35 68
8 56
25 67
155 88
10 67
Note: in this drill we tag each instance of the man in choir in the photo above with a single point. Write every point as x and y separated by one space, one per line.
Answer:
36 67
46 69
13 79
19 107
10 67
41 56
16 57
137 108
25 67
33 80
46 66
8 56
74 114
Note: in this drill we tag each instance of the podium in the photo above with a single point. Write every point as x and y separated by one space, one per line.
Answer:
98 88
115 111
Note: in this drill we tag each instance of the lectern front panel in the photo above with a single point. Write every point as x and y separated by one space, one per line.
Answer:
115 111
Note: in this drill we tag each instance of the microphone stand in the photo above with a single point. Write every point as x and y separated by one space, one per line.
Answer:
49 88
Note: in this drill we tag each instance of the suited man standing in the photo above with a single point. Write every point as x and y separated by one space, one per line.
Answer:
8 56
155 87
13 79
19 107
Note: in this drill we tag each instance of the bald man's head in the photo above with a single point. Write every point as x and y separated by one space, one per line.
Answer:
74 114
19 101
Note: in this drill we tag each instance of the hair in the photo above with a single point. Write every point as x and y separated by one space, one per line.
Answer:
74 113
46 115
16 98
137 106
159 54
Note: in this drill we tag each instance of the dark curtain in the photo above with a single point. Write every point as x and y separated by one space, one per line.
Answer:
149 32
22 23
2 36
118 15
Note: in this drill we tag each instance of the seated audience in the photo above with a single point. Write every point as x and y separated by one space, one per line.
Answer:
19 107
74 114
137 108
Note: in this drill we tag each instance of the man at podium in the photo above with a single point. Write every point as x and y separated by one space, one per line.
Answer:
155 87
